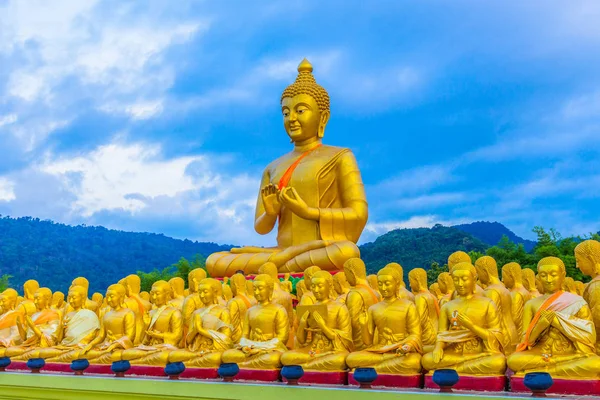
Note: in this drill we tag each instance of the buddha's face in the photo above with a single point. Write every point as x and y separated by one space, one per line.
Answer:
113 298
75 299
320 288
40 301
464 282
301 117
206 293
261 291
551 277
387 286
160 294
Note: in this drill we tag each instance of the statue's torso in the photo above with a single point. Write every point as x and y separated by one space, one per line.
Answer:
114 322
476 308
261 321
390 320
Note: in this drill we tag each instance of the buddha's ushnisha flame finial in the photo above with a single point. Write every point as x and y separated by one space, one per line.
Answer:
306 84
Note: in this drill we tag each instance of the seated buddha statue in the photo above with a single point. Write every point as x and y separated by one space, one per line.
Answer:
135 302
27 306
192 301
391 331
286 283
428 308
9 317
314 194
324 341
560 338
89 304
587 257
307 295
459 257
266 331
434 289
210 330
227 293
117 331
529 282
469 336
39 329
238 306
360 297
341 286
512 279
487 269
403 292
164 327
446 285
58 300
177 288
78 327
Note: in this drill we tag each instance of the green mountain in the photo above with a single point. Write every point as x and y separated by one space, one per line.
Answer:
418 247
490 233
54 253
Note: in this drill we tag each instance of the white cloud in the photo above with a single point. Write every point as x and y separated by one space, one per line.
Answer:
8 119
7 189
417 221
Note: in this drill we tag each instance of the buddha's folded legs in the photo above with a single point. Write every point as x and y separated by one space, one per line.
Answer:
45 353
191 359
146 357
325 362
469 364
67 356
572 365
265 360
13 352
390 363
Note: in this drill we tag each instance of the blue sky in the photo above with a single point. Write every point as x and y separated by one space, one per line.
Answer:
156 117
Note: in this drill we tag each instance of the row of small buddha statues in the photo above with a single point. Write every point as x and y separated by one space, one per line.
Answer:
474 323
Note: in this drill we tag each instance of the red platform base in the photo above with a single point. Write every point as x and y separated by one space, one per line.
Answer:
476 383
258 375
577 387
392 381
323 378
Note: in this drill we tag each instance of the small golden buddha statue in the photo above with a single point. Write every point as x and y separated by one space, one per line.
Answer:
164 327
266 331
9 317
78 327
192 302
587 257
27 306
177 288
403 292
39 329
89 304
372 282
249 288
286 284
279 295
341 286
227 293
446 286
117 330
434 289
314 194
210 330
307 296
460 257
300 289
469 338
569 285
58 300
98 298
324 341
136 303
512 279
238 306
529 282
560 336
360 297
428 308
391 330
487 269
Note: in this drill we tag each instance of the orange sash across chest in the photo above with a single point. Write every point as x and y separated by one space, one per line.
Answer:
536 318
287 176
9 319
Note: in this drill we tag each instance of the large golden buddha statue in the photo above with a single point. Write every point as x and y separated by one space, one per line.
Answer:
360 297
314 194
469 338
266 331
560 336
513 280
324 341
210 330
391 330
487 269
39 329
587 256
427 308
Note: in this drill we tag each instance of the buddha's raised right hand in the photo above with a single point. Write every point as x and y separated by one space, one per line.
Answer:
270 199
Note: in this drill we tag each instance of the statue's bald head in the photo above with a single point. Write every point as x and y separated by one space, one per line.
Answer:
528 279
511 274
30 287
355 269
45 292
418 279
11 294
238 284
194 277
177 286
81 281
457 257
309 273
270 269
466 266
133 283
445 281
390 271
486 268
267 279
118 289
553 261
587 257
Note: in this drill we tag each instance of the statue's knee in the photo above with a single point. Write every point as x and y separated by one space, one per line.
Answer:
412 361
515 361
357 359
233 356
292 358
427 362
498 363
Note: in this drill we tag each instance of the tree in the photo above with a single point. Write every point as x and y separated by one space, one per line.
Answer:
4 282
434 271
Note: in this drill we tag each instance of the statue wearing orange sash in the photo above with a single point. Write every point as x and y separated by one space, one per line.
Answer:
314 194
9 331
560 336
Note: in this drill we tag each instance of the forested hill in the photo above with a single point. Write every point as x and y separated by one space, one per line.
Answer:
490 233
54 253
417 247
